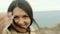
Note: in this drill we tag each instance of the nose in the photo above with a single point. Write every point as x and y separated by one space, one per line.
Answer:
21 21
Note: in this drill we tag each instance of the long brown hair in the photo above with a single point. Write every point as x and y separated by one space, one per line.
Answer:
23 4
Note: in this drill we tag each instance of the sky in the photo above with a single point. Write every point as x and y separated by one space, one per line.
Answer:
45 5
37 5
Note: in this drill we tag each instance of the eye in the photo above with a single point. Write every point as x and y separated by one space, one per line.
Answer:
25 16
16 17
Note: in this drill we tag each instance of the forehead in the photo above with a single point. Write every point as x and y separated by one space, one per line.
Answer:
19 11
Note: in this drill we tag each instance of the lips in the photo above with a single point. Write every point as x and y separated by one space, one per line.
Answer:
18 25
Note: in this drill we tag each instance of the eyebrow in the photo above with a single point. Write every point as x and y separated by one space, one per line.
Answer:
25 15
16 16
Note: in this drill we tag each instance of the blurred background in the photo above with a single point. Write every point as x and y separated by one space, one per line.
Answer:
46 13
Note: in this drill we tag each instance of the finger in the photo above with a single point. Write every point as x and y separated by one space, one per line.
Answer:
2 15
10 15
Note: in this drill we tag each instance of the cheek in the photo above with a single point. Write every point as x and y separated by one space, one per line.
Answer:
28 21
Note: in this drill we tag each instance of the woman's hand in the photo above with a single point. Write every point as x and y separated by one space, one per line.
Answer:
5 20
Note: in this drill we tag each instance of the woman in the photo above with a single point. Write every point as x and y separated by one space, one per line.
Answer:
21 18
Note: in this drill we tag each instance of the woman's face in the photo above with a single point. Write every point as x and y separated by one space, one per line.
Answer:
21 18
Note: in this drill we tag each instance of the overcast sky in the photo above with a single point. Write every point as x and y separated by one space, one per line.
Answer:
37 5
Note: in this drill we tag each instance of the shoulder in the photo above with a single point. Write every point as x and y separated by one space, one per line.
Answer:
32 30
6 32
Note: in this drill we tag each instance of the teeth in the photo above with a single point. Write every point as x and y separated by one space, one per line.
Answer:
22 25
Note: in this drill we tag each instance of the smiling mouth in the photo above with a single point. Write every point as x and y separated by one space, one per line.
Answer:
20 26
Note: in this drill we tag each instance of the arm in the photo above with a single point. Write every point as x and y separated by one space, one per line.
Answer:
5 21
